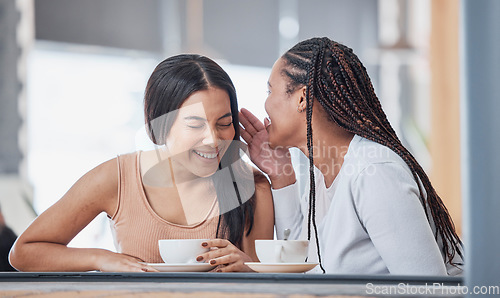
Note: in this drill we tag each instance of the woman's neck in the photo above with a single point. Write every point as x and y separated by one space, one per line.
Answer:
160 170
175 196
331 143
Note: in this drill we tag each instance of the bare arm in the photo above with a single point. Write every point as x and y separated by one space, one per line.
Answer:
43 246
263 223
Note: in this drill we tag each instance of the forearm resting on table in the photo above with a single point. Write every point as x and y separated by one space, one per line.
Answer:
43 256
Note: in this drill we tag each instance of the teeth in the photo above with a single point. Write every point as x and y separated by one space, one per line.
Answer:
206 155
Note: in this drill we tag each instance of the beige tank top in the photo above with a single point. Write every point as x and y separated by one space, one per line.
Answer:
135 225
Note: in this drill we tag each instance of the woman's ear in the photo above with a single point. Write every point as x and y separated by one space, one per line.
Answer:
302 99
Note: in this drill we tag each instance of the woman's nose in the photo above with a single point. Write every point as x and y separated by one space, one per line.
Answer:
209 137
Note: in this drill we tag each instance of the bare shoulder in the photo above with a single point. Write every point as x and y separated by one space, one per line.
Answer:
104 177
106 168
98 187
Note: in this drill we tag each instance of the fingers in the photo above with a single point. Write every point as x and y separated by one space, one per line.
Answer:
247 125
149 269
225 255
250 122
231 263
248 115
141 267
119 262
227 262
234 267
213 256
146 268
222 247
129 267
266 122
245 135
132 258
136 264
220 243
222 260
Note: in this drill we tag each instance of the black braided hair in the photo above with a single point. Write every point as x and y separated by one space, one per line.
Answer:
336 78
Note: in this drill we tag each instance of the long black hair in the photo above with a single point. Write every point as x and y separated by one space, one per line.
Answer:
336 78
170 84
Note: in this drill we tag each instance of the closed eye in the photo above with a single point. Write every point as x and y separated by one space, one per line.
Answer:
226 125
195 125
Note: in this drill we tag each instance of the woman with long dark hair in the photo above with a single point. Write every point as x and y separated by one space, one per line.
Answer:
369 207
194 185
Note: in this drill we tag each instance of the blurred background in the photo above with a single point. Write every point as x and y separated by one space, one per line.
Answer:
73 73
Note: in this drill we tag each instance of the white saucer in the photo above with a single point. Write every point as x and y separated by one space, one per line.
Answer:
190 267
281 267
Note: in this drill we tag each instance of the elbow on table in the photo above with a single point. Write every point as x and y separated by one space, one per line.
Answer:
17 257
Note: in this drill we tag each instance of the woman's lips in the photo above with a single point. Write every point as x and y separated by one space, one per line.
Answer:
206 155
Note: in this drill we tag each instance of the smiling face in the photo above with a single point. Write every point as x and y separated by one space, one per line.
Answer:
287 126
201 132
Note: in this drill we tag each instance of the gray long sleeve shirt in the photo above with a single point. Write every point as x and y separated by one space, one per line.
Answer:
370 220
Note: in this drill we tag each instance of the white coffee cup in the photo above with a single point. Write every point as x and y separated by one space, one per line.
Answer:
181 251
282 251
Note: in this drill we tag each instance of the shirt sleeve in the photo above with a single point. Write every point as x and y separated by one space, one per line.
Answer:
387 201
287 211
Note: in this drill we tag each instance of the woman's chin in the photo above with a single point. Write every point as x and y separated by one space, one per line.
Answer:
205 172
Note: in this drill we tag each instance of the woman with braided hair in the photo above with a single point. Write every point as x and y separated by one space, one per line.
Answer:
368 208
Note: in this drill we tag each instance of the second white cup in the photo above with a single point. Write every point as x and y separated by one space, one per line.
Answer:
282 251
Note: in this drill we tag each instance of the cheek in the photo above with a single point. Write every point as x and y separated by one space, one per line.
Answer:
278 110
270 104
182 142
278 105
266 105
225 138
228 134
